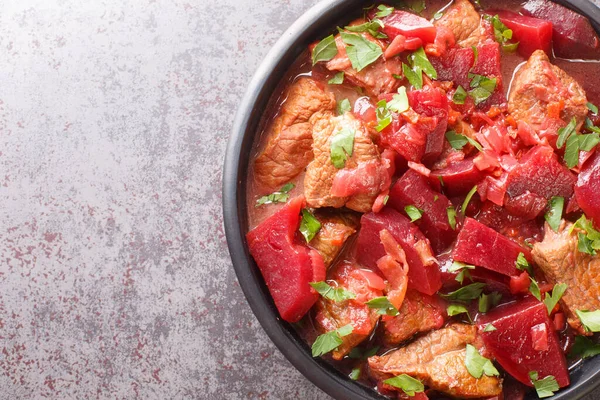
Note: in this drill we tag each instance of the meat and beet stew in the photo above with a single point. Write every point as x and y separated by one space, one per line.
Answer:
424 198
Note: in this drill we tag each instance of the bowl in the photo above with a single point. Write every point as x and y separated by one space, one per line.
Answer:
316 23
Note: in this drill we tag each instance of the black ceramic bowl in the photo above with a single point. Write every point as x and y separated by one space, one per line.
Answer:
314 24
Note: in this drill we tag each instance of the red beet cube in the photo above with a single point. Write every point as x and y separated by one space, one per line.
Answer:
587 189
287 267
458 178
531 33
522 327
431 102
413 189
409 25
572 34
482 246
540 173
425 279
454 65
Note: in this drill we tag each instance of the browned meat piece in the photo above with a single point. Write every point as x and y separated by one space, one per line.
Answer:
376 79
288 150
558 258
321 172
331 315
419 313
438 360
465 22
539 84
336 228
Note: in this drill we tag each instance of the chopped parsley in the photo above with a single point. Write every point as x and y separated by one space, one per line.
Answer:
330 341
487 301
384 116
465 293
309 225
355 374
551 299
544 387
457 309
419 64
590 319
554 214
460 95
490 328
325 50
337 294
523 265
399 102
342 144
281 196
407 384
534 288
482 87
584 348
477 365
361 51
458 141
384 11
565 132
592 108
338 79
383 306
590 241
413 212
343 107
372 27
502 34
451 217
465 203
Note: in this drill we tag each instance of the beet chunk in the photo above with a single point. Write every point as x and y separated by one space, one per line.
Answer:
410 25
431 102
454 65
288 268
573 35
413 189
517 335
531 33
424 278
484 247
539 172
458 178
587 189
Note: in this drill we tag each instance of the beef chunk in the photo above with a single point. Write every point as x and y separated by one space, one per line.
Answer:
438 360
538 85
376 79
321 172
288 147
557 256
336 228
465 22
419 313
331 315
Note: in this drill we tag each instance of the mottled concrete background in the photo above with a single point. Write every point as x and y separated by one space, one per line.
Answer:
115 280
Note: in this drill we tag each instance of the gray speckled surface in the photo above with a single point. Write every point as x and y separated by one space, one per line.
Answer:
115 280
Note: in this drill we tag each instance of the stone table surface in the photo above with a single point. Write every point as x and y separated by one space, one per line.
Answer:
115 279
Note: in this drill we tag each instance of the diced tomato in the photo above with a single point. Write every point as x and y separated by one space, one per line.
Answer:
444 39
573 36
520 283
513 346
531 33
458 178
431 102
559 321
413 189
421 277
287 268
409 25
588 188
402 43
373 280
482 246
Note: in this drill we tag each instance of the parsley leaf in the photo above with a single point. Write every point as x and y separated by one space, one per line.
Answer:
438 15
584 244
384 116
552 299
465 203
451 217
309 226
534 288
415 78
458 141
523 265
370 26
584 348
361 51
357 354
330 341
466 293
325 50
337 294
343 107
589 141
459 96
383 306
408 384
419 64
501 33
544 387
280 196
590 319
355 374
477 365
338 79
462 275
417 6
554 214
457 309
482 87
413 212
487 301
571 156
342 144
399 102
592 108
490 328
566 132
457 266
384 11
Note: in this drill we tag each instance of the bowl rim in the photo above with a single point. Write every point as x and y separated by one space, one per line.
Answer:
314 22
